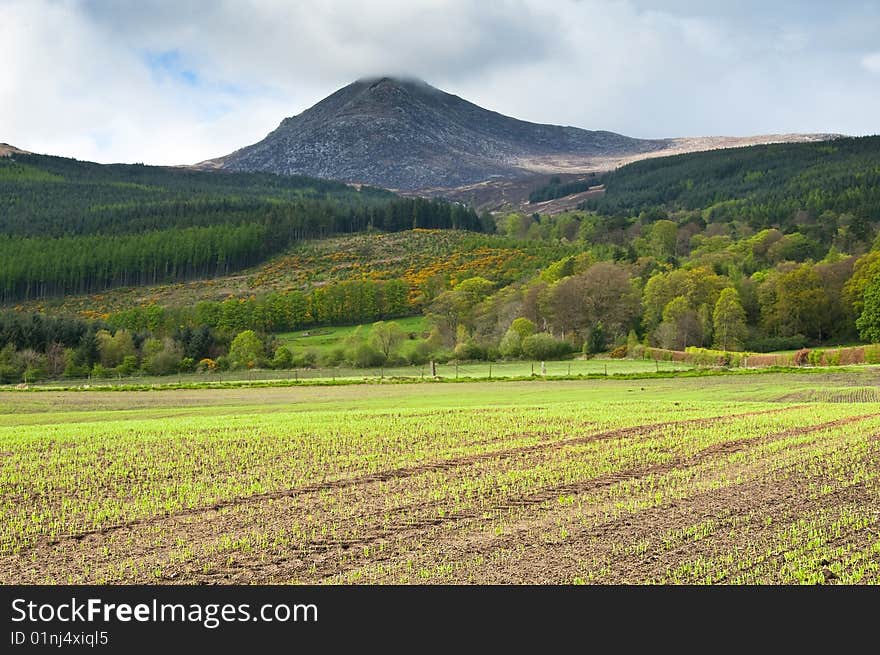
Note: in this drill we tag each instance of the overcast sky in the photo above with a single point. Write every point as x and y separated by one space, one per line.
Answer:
179 81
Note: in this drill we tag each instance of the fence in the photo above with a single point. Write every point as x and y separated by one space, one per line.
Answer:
448 371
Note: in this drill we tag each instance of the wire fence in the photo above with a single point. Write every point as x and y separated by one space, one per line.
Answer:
447 371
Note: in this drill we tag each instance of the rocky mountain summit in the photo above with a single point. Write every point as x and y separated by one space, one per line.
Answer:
405 134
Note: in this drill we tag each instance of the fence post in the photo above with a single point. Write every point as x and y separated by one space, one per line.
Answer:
433 369
490 370
657 364
606 370
456 370
533 368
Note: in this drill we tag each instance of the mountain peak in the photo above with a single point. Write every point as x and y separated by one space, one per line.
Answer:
7 150
392 80
402 133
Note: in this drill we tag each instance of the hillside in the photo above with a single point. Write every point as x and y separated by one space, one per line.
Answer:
778 185
77 227
420 258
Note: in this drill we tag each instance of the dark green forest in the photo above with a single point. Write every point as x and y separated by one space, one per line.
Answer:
785 186
556 188
77 227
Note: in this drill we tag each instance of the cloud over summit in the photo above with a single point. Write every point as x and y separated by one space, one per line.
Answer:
177 82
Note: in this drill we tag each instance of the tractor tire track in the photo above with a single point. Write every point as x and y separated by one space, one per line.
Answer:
418 469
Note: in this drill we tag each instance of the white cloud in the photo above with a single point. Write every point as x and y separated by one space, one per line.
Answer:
871 62
80 83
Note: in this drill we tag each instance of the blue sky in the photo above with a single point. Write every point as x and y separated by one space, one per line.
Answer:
172 82
169 65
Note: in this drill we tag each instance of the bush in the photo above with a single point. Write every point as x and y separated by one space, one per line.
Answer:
442 356
128 366
246 350
306 359
705 357
802 357
366 356
396 359
283 358
469 351
638 351
855 355
872 354
511 344
335 356
618 353
595 343
99 371
187 365
161 356
542 346
206 364
419 353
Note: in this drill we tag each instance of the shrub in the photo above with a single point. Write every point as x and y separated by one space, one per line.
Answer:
98 371
206 364
366 356
855 355
618 353
596 341
128 366
469 351
419 353
161 357
759 361
283 358
872 354
543 346
335 356
306 359
802 357
247 350
523 327
511 344
638 351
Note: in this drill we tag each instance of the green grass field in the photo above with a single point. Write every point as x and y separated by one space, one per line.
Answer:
321 339
768 478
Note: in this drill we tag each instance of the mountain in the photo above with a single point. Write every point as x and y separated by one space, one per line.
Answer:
7 150
405 134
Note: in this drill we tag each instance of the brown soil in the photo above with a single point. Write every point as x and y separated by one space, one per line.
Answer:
155 547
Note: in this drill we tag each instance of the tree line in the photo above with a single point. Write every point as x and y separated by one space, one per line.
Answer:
339 303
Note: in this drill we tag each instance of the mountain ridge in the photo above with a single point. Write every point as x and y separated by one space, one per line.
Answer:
403 133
